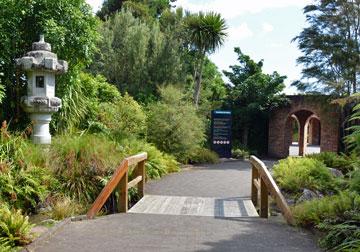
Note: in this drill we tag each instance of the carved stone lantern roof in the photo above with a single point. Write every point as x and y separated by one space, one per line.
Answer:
42 59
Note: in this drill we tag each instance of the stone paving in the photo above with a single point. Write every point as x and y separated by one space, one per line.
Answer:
165 232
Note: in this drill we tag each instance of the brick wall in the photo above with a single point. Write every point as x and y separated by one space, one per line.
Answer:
280 130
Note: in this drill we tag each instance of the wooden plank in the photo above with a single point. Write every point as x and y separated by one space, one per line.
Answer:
123 194
256 183
134 182
254 189
108 189
140 171
264 200
273 189
133 160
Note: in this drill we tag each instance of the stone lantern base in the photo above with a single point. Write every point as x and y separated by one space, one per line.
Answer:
41 132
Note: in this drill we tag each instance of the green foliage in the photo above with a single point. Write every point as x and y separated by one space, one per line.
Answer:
69 26
343 236
295 174
173 125
138 56
330 46
157 164
353 140
333 160
123 118
81 162
14 227
251 97
354 183
22 184
203 156
65 207
311 213
240 154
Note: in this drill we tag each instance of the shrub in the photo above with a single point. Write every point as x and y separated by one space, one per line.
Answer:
240 154
354 182
333 160
64 207
123 118
173 125
295 174
157 164
14 227
311 213
203 155
81 162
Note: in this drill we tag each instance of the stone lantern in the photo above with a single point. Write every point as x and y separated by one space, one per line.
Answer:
41 66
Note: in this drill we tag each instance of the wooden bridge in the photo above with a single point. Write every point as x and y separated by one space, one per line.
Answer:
211 208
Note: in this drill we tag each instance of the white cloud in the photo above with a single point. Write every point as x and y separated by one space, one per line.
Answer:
240 32
266 27
234 8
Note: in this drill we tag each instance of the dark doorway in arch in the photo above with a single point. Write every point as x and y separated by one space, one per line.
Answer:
303 133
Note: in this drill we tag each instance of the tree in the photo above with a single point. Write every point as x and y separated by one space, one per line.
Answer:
330 47
206 33
251 95
137 56
141 8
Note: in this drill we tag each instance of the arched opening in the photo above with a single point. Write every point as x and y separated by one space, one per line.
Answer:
302 134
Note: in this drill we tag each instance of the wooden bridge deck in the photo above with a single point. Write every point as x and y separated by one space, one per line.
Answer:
195 206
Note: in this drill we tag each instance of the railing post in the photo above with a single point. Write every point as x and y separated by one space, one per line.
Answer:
140 171
123 194
254 190
264 199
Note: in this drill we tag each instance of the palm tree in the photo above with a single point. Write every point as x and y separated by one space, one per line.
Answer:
206 33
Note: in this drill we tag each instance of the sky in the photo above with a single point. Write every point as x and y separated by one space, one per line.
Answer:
263 29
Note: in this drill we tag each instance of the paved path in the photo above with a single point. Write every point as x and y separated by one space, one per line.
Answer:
176 232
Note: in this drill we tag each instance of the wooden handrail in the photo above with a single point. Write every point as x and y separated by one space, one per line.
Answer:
119 180
263 182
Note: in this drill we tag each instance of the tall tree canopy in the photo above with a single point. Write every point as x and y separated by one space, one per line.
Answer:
330 47
137 56
153 8
206 33
251 95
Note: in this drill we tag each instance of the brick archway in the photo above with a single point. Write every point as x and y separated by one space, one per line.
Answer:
304 108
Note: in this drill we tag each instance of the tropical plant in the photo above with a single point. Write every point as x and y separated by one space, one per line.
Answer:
353 140
206 33
14 227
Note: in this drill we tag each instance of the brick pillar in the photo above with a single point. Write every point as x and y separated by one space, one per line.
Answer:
302 116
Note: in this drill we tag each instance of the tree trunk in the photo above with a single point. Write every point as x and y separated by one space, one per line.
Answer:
198 78
245 136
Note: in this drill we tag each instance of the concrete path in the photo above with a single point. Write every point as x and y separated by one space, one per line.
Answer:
178 232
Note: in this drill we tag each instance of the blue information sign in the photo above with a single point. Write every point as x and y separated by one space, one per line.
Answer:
221 132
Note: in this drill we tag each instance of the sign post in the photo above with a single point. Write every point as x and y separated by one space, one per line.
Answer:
221 133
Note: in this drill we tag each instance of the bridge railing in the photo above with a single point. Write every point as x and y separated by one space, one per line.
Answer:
263 183
119 181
